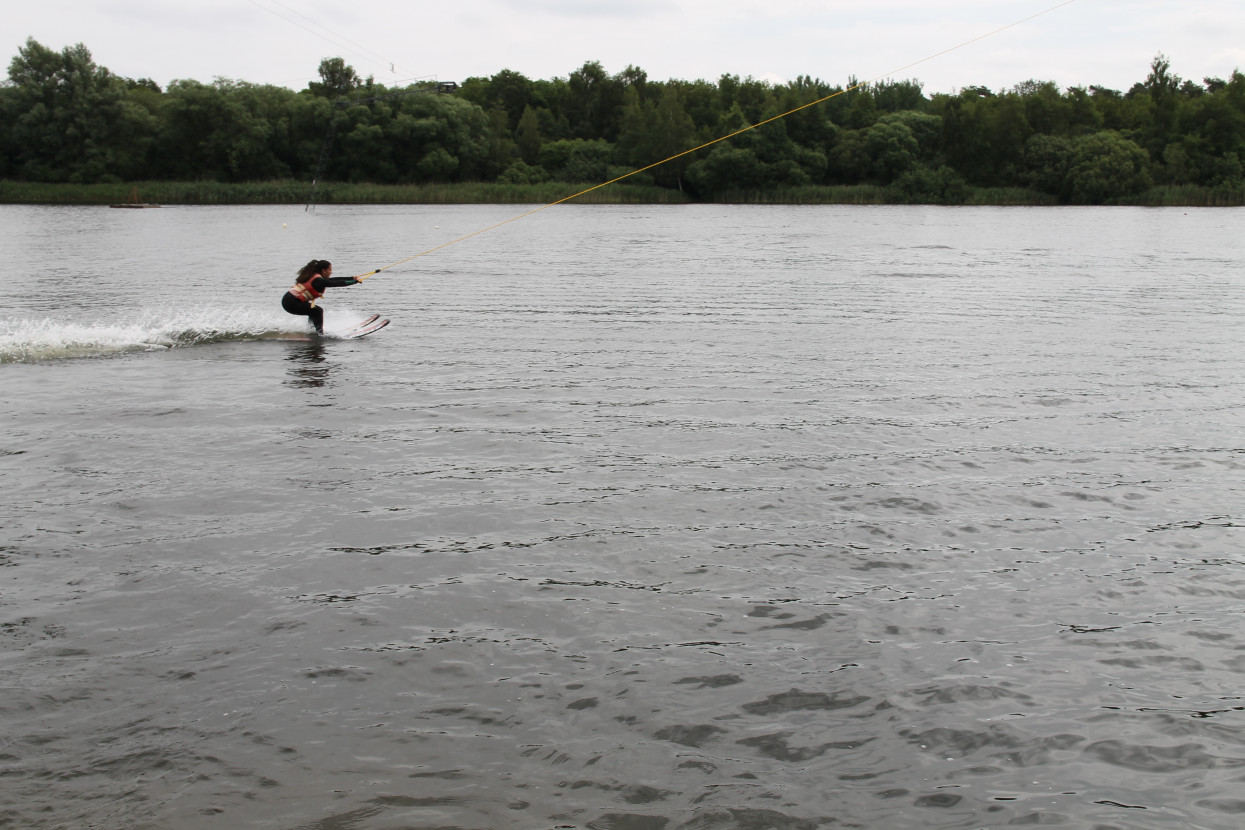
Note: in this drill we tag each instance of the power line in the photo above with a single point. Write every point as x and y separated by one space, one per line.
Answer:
328 34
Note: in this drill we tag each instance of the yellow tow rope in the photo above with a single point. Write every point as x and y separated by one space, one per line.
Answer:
1013 25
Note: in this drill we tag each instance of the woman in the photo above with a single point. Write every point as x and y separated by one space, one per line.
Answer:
313 278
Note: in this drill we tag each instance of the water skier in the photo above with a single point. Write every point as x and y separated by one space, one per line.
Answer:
313 278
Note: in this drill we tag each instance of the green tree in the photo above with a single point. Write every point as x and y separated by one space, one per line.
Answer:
502 150
892 150
1045 109
364 154
656 130
965 134
437 165
63 118
728 168
752 97
527 136
1162 87
308 118
926 185
8 115
593 103
273 152
862 109
1008 130
925 127
1106 166
508 90
523 173
549 99
983 135
898 96
439 138
809 124
71 120
633 77
219 132
337 79
1085 116
703 105
1046 161
1193 160
576 160
848 161
1209 147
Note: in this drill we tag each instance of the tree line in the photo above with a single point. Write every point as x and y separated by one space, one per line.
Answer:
63 118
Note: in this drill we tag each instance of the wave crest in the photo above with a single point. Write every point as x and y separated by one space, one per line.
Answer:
34 340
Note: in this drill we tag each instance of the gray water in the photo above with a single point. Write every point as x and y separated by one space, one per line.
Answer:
635 518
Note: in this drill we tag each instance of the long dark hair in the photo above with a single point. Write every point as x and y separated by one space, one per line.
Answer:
312 270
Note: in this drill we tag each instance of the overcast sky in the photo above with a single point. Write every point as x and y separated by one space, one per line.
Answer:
1103 42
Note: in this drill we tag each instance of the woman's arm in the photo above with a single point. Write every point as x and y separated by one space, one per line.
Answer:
321 283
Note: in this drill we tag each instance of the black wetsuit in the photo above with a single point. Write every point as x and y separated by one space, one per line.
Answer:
296 305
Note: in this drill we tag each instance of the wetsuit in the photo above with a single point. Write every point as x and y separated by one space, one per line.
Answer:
301 299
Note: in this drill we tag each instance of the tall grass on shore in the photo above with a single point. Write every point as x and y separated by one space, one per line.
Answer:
295 192
1189 195
868 194
856 194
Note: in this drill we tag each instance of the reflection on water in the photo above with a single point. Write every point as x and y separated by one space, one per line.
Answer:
308 365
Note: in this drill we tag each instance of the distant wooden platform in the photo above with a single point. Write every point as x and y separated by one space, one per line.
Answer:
133 201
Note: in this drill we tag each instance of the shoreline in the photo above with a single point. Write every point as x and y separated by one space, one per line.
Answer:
343 193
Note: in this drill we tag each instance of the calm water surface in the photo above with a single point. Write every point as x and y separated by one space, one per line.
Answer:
635 518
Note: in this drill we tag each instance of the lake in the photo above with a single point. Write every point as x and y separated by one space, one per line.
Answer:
634 518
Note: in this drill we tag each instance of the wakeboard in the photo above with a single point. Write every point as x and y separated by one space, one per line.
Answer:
365 328
371 325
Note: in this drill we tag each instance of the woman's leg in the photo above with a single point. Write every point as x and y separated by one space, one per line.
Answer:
304 309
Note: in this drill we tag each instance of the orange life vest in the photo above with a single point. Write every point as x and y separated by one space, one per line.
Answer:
304 292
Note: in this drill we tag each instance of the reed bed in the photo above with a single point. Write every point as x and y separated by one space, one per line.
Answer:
1193 196
294 192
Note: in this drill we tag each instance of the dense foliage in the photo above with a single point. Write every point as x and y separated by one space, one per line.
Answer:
65 119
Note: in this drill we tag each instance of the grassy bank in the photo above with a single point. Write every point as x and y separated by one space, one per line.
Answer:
866 194
1192 196
292 192
297 193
